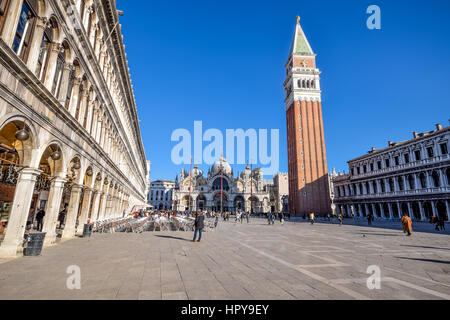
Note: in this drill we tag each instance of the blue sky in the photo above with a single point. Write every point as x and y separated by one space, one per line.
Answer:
222 62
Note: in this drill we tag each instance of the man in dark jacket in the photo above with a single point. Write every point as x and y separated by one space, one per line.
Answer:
39 218
199 226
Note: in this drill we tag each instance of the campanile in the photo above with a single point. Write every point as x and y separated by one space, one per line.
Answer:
308 171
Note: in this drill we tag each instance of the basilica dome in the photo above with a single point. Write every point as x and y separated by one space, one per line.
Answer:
222 163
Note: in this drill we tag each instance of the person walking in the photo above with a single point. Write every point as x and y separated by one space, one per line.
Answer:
216 222
62 216
199 226
312 218
407 224
39 218
269 218
341 220
282 217
370 219
248 217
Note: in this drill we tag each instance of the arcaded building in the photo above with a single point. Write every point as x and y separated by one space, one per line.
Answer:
410 177
69 132
307 156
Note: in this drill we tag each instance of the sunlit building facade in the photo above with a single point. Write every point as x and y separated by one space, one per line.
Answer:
69 131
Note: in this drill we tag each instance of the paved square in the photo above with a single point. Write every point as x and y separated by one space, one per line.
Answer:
255 261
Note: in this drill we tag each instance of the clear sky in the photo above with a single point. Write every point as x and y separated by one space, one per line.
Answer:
222 62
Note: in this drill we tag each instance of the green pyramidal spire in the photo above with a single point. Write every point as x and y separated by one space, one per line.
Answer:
300 44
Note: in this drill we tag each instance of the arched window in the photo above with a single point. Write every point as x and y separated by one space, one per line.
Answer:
25 29
77 112
391 185
401 183
217 184
383 186
423 181
70 87
411 182
58 73
44 54
436 179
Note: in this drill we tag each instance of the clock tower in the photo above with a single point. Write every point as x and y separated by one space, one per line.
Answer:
308 171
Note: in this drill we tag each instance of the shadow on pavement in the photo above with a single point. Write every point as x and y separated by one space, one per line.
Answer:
425 260
423 247
175 238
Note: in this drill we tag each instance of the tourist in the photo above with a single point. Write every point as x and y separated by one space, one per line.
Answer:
248 217
370 218
62 216
407 224
312 218
30 219
341 219
282 218
199 226
269 218
216 222
441 224
39 218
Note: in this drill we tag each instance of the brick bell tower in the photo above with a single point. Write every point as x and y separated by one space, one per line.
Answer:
308 171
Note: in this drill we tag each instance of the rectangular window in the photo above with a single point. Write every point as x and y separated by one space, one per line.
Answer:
418 155
430 152
372 167
359 170
406 158
397 161
365 168
388 163
444 149
380 165
21 28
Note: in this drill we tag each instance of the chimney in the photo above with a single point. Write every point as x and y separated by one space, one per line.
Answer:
439 126
416 135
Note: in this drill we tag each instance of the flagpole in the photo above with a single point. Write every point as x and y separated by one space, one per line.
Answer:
190 186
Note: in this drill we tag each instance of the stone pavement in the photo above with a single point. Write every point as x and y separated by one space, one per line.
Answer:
295 261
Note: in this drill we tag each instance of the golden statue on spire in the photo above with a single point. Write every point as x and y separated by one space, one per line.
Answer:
298 19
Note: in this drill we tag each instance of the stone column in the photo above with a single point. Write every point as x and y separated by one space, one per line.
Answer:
72 212
83 106
435 212
54 50
410 211
11 22
95 206
391 213
52 210
36 43
75 95
19 212
383 213
422 211
103 202
447 206
85 206
90 113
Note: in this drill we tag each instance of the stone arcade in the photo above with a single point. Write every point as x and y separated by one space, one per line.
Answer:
69 132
